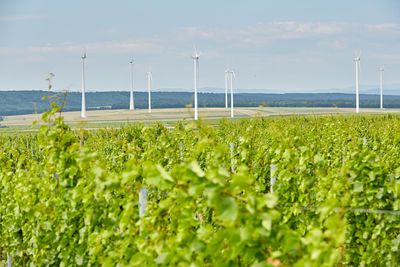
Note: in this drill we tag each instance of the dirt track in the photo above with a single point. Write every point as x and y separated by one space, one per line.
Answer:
121 116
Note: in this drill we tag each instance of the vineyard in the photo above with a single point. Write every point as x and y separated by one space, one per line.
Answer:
282 191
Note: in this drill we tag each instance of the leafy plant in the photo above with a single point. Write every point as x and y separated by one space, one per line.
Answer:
70 198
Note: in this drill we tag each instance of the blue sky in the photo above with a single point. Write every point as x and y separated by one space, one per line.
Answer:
274 45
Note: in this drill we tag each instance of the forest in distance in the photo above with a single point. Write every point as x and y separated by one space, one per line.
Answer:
30 101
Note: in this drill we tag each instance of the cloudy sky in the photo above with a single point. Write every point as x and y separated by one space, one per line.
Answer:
292 46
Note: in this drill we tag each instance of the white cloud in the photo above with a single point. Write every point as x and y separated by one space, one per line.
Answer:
134 46
386 27
384 57
14 18
336 35
297 28
266 33
337 44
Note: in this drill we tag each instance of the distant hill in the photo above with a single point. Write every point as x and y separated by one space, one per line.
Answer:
26 102
389 89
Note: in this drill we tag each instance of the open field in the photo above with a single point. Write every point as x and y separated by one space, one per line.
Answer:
114 118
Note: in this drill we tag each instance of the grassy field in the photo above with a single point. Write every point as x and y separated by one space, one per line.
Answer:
116 118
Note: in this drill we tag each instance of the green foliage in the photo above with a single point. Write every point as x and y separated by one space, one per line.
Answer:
71 198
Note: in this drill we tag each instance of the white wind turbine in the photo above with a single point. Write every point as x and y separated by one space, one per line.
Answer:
381 70
195 58
149 80
226 87
83 108
357 60
231 77
131 101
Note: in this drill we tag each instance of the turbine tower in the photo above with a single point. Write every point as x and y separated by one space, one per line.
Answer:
226 87
149 80
83 108
381 70
131 101
195 58
231 77
357 59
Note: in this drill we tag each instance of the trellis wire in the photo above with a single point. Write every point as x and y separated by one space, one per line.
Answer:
390 212
353 210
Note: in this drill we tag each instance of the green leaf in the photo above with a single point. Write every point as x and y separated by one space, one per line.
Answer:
241 177
267 221
271 200
164 174
358 187
261 264
161 258
195 167
227 209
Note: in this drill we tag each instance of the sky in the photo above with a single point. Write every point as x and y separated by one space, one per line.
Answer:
276 46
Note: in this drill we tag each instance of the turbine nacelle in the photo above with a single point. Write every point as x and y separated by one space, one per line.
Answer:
230 73
357 59
357 56
196 55
149 75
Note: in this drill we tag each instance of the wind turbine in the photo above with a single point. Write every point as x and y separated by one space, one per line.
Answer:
131 101
231 77
357 59
83 109
226 87
381 70
195 58
149 80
